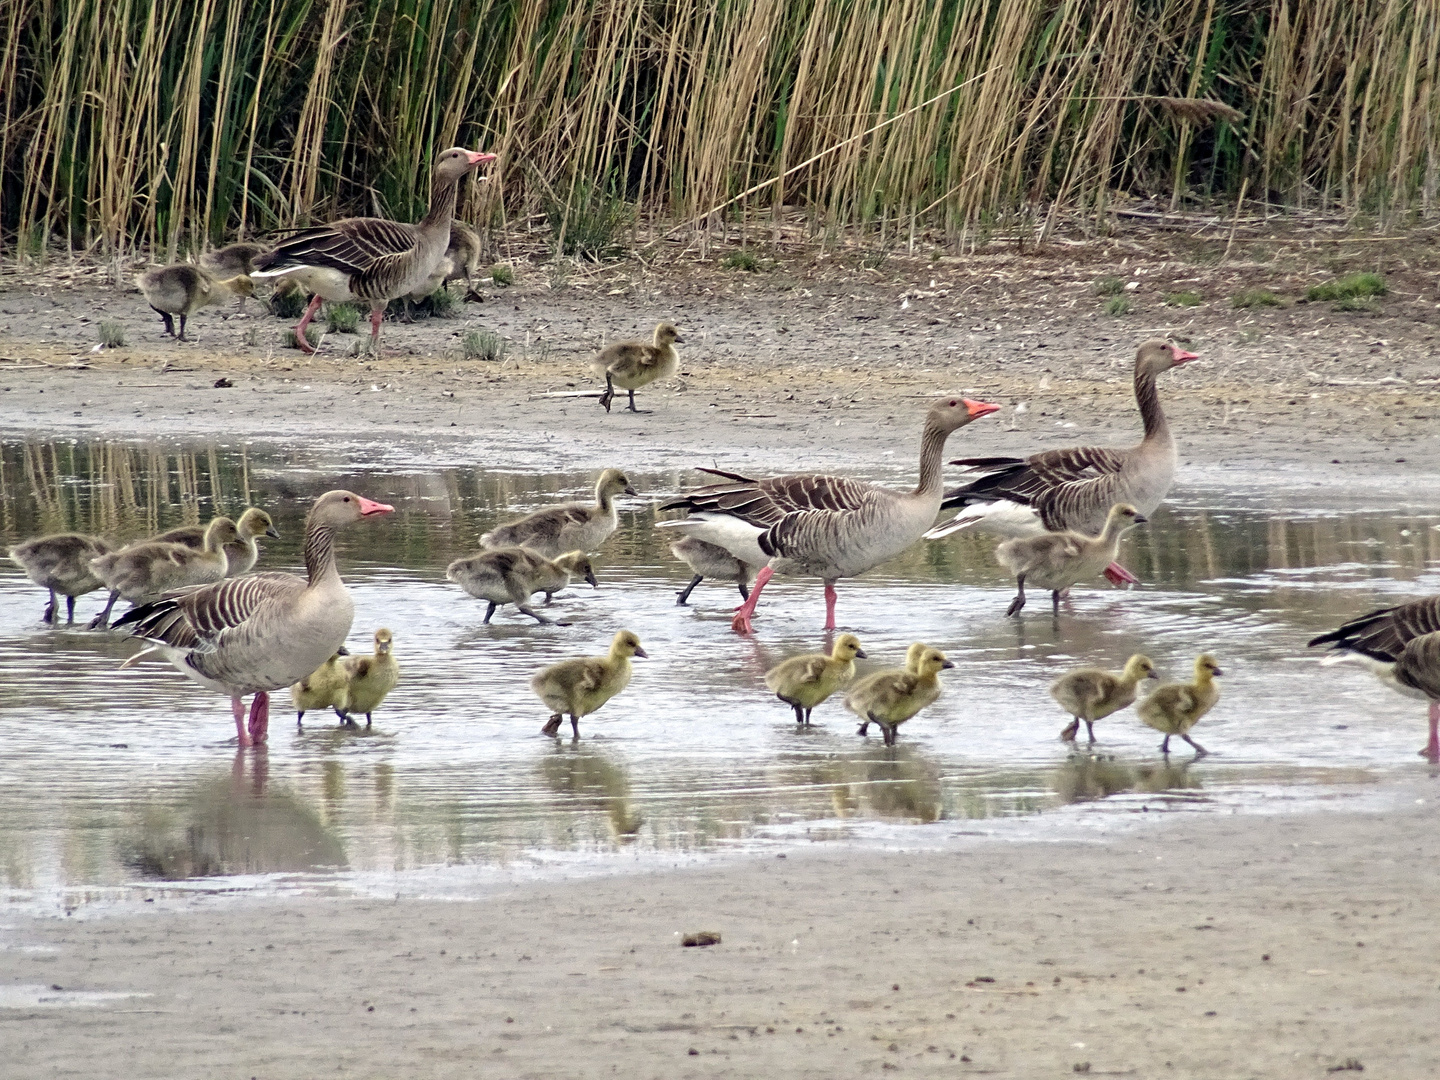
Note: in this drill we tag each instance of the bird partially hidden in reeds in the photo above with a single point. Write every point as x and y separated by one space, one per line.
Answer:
1091 694
327 687
1055 561
233 260
60 563
803 682
511 575
369 679
576 688
633 364
1401 647
183 289
572 526
889 698
707 560
1175 708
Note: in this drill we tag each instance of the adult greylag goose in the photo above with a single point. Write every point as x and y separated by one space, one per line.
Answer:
803 682
261 632
511 575
889 698
1401 646
576 688
1091 694
1074 489
707 560
1057 560
371 259
371 678
633 364
1175 708
574 526
830 527
61 563
148 570
242 553
460 261
183 289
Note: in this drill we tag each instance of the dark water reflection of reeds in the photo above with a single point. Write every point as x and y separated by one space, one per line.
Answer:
107 777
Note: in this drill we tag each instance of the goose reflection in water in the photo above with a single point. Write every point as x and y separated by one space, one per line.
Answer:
590 780
1088 777
896 782
234 823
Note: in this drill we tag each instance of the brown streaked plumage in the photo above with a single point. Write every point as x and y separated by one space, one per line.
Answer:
511 575
240 554
574 526
633 364
1175 708
803 682
371 258
60 563
183 289
148 570
708 560
830 527
1055 561
576 688
891 697
1091 694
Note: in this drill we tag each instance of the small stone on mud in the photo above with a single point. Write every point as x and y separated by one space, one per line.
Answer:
704 937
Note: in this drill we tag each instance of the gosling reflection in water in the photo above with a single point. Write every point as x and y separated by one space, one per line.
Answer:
592 781
897 782
1086 777
233 824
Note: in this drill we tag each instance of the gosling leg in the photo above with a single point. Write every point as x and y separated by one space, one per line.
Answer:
889 732
609 394
799 712
541 619
48 615
367 720
1019 601
574 726
1068 735
1165 745
299 720
744 590
1199 750
1090 730
683 596
102 621
552 725
807 717
632 401
488 612
182 327
165 315
1055 601
69 609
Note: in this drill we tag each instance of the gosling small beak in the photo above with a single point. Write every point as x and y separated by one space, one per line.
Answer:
1140 519
641 652
979 408
368 508
630 490
342 651
590 577
861 654
477 158
947 663
1216 671
273 532
1153 675
1181 356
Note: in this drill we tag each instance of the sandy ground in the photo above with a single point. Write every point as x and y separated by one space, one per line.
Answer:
1234 946
1145 955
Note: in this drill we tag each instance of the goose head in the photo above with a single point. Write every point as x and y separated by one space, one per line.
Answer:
454 163
577 564
338 508
932 662
383 641
1206 667
626 644
950 414
847 648
240 285
613 482
666 334
256 522
221 531
1157 355
913 654
1140 667
1123 516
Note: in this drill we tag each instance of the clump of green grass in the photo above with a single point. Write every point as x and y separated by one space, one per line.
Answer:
443 303
1184 299
741 260
1108 286
1255 298
112 334
484 345
313 334
288 303
1117 306
1355 303
590 223
502 275
342 318
1350 287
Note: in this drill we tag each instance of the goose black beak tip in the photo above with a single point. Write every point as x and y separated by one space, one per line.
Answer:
273 532
641 653
948 664
861 654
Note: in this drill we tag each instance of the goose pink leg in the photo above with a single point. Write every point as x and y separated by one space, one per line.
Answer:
376 314
1432 749
237 709
1118 575
741 622
829 605
259 718
301 341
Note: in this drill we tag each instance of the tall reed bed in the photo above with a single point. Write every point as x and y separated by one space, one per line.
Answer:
128 123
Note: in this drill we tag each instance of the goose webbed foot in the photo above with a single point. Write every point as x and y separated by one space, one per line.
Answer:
1068 735
48 615
1200 751
683 596
1118 575
609 395
552 725
1019 601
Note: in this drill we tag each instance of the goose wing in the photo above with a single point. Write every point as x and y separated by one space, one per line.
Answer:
765 503
351 246
1035 480
1419 665
1384 634
200 618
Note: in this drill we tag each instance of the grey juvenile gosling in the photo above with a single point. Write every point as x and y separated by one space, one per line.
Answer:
147 571
61 564
327 687
241 554
371 678
511 575
574 526
889 698
803 682
233 260
1174 708
1090 694
576 688
633 364
1055 561
710 560
183 289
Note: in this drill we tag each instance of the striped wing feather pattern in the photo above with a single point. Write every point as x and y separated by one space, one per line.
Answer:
1419 665
1385 634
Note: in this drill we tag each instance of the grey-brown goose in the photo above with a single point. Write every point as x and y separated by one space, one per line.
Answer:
260 632
183 289
511 575
460 261
61 563
633 364
1055 561
242 553
1074 489
707 560
371 259
148 570
574 526
830 527
1401 646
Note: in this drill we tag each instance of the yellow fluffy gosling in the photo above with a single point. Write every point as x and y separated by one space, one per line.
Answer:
1055 561
1174 708
803 682
889 698
371 678
183 289
633 364
511 575
327 687
912 665
576 688
1090 694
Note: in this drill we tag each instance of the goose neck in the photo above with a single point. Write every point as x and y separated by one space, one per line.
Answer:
1148 398
442 207
932 449
319 553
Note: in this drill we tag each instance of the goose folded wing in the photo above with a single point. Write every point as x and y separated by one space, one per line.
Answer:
1032 479
1419 665
353 246
802 532
197 618
806 669
1383 634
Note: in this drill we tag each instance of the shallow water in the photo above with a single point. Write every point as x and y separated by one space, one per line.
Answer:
112 782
